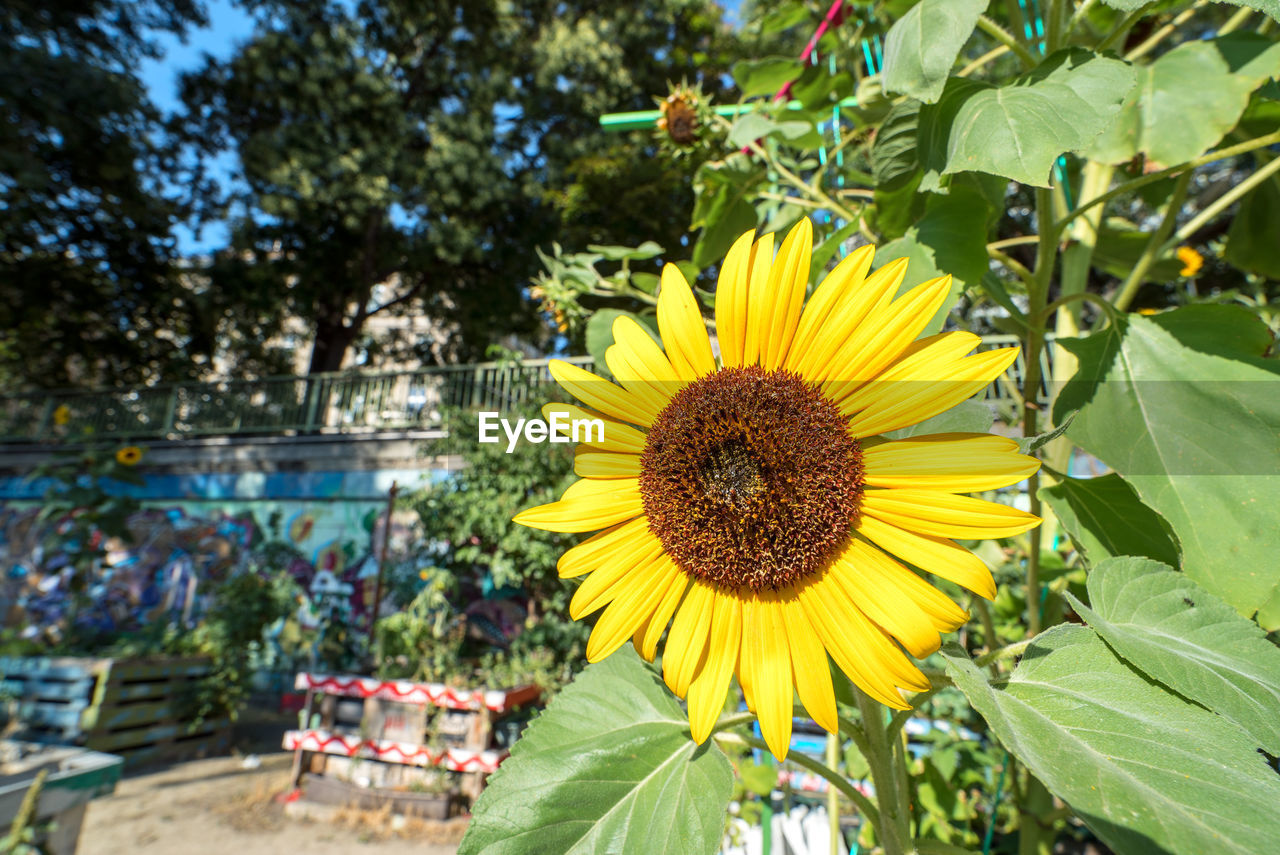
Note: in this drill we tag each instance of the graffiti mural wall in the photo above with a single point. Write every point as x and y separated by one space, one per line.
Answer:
178 549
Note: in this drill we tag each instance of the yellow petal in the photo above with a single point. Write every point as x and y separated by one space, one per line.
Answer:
770 669
850 639
651 632
935 555
683 331
602 584
809 666
750 652
598 393
890 608
639 594
923 361
732 291
615 437
687 641
856 300
886 333
578 515
593 551
908 403
711 684
956 463
938 608
758 313
601 488
834 289
946 515
784 294
627 368
594 464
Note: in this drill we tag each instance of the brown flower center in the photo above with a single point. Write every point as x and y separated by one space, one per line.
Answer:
750 479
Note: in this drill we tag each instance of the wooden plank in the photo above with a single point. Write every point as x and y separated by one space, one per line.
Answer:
115 741
52 715
116 694
133 715
141 669
212 743
60 667
52 690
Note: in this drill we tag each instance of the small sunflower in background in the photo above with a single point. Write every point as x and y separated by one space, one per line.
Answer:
686 112
1191 260
61 415
130 455
752 503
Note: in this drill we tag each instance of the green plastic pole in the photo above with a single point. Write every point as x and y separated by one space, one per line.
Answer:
639 119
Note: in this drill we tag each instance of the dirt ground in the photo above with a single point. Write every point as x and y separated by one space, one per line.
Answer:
217 806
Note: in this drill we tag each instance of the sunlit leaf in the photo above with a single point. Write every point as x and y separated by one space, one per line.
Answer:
608 767
923 44
1018 130
1183 406
765 76
1104 517
1147 771
1174 631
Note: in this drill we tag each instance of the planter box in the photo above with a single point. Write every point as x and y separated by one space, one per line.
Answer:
327 790
129 707
75 777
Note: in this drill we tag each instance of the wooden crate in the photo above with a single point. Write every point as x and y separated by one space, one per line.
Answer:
129 707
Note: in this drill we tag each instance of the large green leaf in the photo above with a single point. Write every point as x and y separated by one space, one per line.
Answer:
1251 240
765 76
950 238
1020 129
608 768
1147 771
1183 406
1188 99
893 158
723 209
1174 631
922 46
1105 517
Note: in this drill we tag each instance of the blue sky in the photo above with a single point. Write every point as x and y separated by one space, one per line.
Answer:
228 27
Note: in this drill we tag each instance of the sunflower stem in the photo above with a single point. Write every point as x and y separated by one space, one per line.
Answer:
889 777
1037 300
833 795
1155 244
861 802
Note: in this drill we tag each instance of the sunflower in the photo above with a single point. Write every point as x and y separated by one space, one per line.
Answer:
752 502
1191 260
130 455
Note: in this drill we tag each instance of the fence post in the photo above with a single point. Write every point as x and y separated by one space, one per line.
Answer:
170 410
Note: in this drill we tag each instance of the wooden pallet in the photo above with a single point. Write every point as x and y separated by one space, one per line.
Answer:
129 707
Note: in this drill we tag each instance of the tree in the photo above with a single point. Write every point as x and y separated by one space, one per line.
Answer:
393 156
86 276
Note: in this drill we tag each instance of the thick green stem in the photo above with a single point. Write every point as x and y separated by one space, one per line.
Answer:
1003 36
1155 244
832 777
1053 31
894 830
1121 30
1037 299
1235 21
1035 837
1161 34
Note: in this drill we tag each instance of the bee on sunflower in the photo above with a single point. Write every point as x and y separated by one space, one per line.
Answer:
751 502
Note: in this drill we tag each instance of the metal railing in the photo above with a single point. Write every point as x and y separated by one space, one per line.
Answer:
318 403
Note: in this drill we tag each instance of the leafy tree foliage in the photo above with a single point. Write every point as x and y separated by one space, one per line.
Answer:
394 156
86 277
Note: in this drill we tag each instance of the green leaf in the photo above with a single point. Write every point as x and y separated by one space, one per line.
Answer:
599 333
648 249
949 238
1271 7
921 48
608 767
1188 99
1028 444
965 417
1251 240
1183 406
1018 130
1105 517
754 126
825 251
1145 770
723 210
765 76
1174 631
893 158
1120 245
